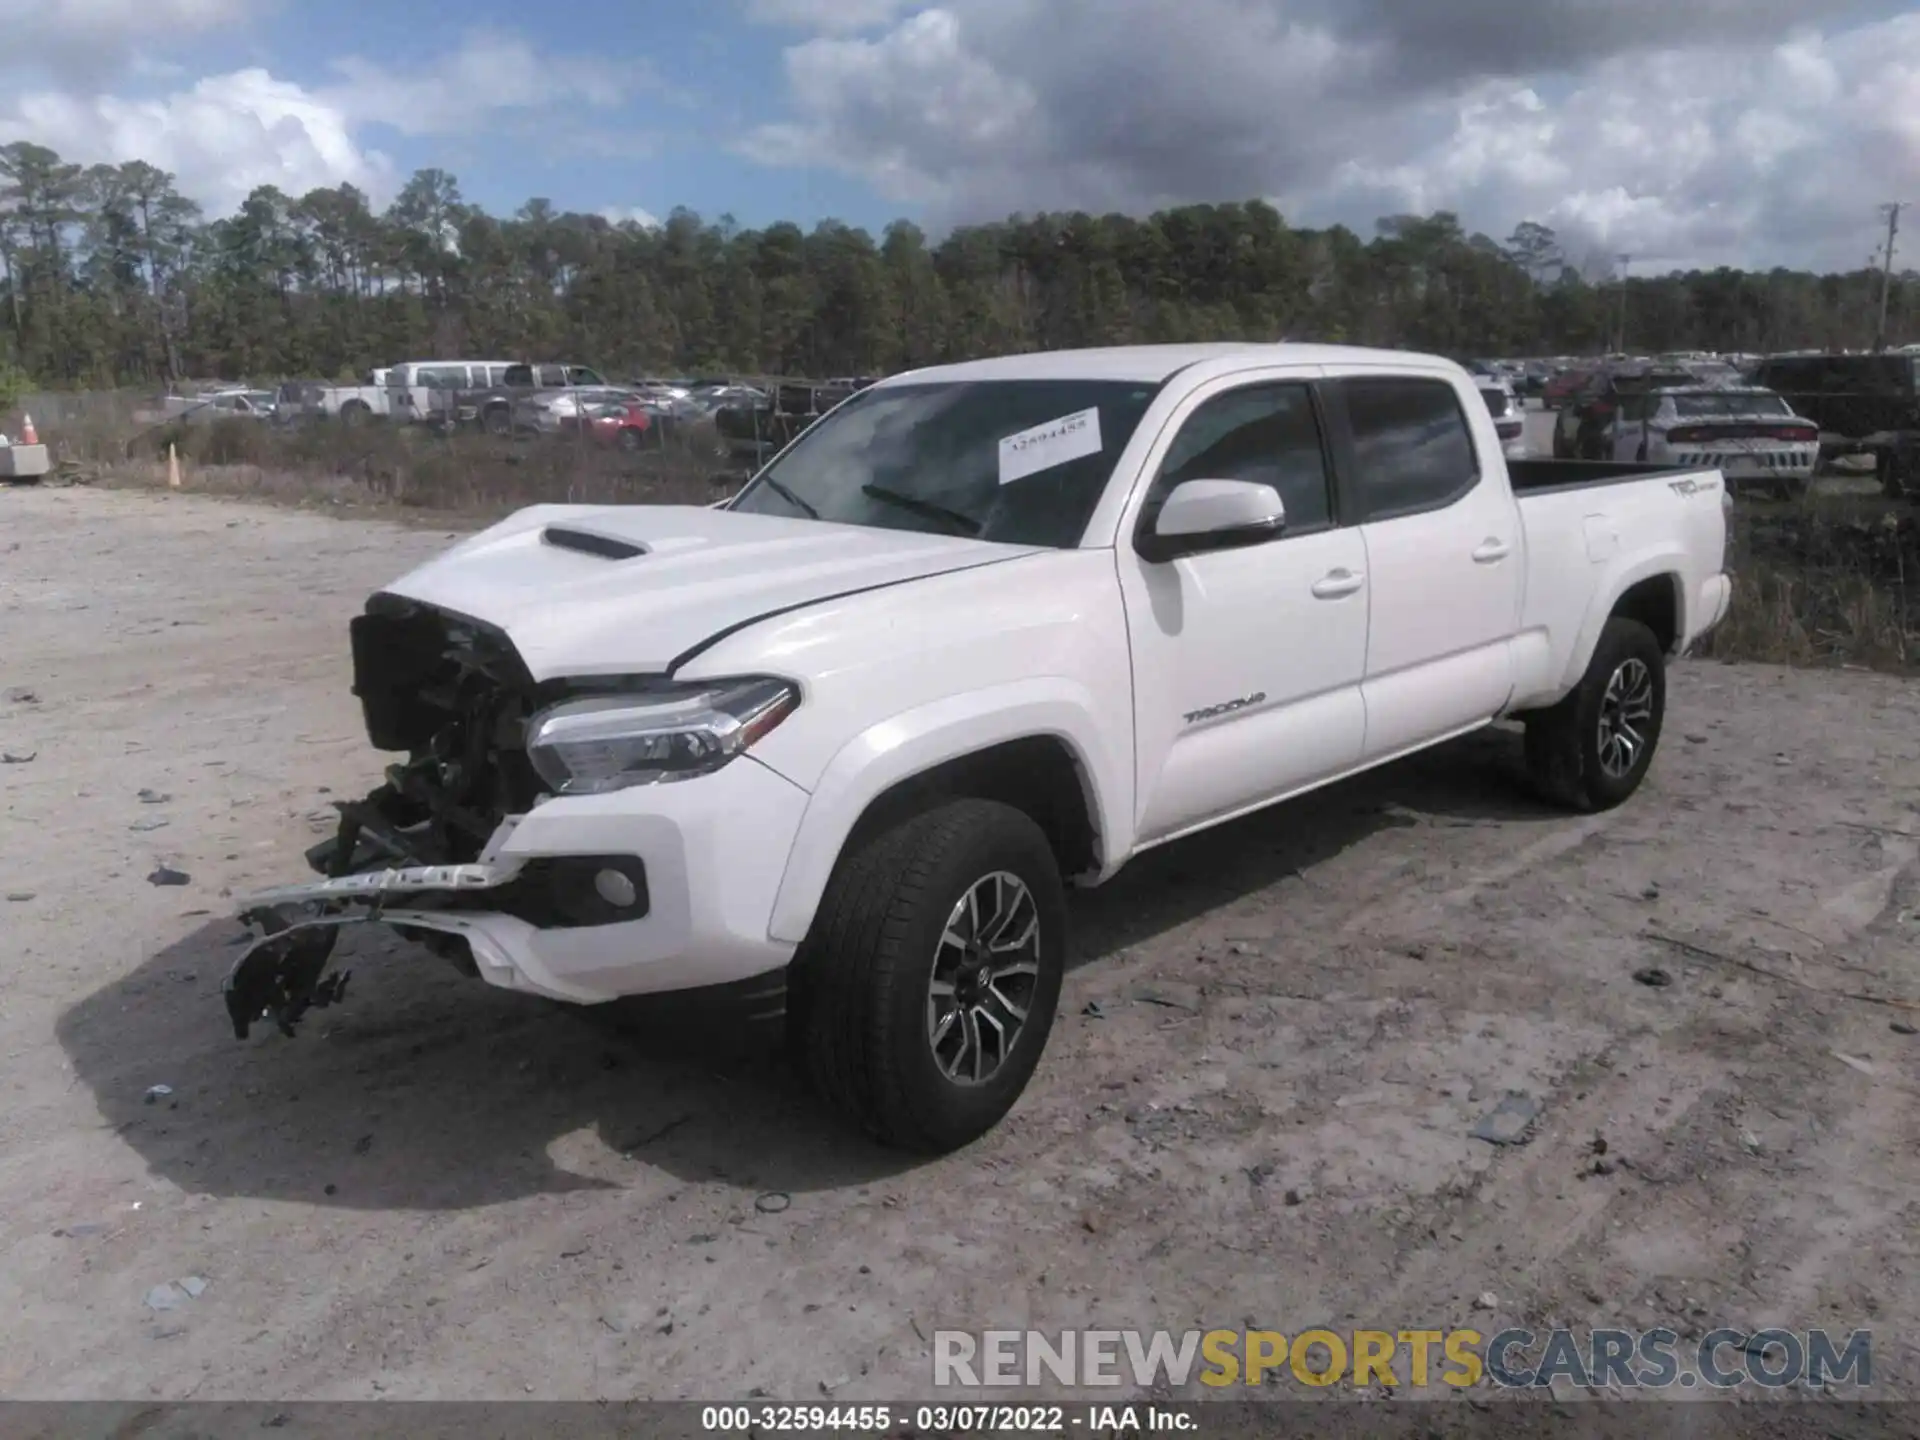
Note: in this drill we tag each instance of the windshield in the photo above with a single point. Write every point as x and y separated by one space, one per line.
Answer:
1021 462
1731 403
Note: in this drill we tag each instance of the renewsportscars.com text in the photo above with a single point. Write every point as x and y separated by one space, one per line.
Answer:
1658 1358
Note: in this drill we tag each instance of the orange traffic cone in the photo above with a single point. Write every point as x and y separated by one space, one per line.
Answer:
27 435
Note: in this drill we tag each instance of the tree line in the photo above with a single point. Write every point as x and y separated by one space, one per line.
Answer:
113 277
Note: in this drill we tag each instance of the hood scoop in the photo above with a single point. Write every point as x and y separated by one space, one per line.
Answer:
607 547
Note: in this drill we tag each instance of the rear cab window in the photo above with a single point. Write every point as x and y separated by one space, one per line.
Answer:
1412 448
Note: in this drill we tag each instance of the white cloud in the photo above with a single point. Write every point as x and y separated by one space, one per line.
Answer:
224 134
1735 131
823 17
624 214
221 137
491 72
1679 161
80 40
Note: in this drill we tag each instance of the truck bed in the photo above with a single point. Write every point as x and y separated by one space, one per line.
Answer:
1530 477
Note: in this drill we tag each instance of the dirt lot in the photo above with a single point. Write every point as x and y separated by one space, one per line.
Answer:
1255 1108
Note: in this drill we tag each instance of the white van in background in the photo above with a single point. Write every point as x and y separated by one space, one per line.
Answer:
426 389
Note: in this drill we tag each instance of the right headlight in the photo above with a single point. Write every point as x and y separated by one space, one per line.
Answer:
611 742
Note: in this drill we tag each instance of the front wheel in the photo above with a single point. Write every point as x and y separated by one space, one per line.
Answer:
496 420
924 993
1591 751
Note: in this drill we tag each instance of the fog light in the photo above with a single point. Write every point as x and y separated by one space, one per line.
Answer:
614 888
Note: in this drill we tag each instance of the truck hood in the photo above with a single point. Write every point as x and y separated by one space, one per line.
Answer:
636 589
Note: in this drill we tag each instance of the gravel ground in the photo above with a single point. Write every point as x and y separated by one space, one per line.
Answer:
1256 1106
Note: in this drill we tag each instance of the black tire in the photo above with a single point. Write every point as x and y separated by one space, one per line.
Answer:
496 420
1791 487
859 995
1573 758
355 412
629 439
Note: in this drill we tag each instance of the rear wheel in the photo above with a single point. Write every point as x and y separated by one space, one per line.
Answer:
496 420
1592 750
926 989
629 439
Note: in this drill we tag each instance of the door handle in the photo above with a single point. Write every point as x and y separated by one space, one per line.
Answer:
1490 550
1336 583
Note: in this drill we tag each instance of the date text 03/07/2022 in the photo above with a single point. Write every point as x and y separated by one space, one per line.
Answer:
949 1419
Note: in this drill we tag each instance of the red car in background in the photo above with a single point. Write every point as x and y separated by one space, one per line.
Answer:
625 424
1562 386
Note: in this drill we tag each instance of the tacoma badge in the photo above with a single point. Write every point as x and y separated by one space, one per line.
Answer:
1194 717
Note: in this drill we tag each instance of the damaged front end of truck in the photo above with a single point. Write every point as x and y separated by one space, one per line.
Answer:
420 853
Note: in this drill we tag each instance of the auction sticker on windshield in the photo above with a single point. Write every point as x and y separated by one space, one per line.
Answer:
1045 446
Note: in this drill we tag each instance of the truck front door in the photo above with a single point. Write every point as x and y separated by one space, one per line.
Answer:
1247 662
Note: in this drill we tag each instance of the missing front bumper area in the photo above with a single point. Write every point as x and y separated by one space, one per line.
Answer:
282 974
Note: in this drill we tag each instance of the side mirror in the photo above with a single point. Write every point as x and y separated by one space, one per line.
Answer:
1205 515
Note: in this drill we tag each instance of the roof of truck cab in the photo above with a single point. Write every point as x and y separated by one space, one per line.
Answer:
1153 363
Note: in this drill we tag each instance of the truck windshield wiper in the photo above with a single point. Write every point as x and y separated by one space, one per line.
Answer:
967 524
787 495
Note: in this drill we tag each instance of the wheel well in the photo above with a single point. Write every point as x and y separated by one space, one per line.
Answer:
1037 776
1655 603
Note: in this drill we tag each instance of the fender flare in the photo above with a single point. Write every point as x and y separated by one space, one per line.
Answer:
1669 560
917 740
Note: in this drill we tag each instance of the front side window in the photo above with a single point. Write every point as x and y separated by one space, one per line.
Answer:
442 377
1021 462
1266 434
1412 449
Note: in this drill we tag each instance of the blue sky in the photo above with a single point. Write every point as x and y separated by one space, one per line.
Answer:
703 75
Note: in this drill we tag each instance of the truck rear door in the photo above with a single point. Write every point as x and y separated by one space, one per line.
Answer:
1421 471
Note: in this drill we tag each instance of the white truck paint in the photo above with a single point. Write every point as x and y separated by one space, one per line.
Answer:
788 729
352 403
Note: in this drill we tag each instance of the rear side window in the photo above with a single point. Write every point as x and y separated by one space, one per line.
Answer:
1265 434
1412 449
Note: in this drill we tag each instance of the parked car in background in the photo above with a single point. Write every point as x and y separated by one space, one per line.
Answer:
433 391
1561 386
1751 436
622 422
553 412
1509 415
1863 405
1582 428
756 431
234 404
355 404
536 397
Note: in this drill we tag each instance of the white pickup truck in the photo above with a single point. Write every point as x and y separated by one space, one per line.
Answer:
838 744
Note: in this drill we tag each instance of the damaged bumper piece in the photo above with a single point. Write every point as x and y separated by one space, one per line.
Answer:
575 897
281 974
583 899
